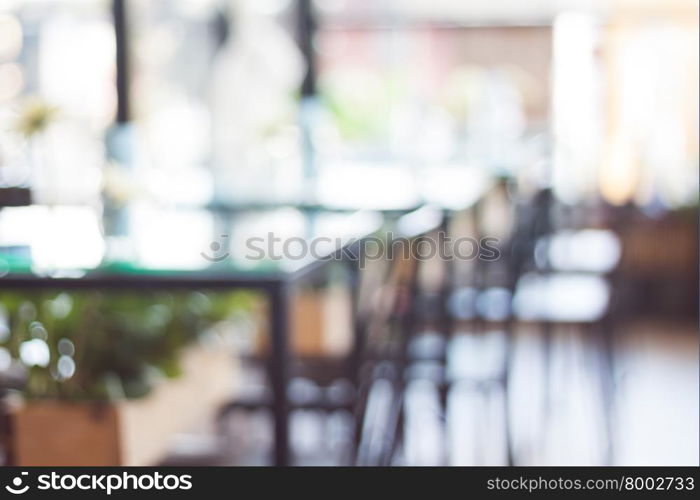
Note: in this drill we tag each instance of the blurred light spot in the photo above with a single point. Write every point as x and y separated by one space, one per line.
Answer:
4 327
10 37
11 80
37 330
494 304
462 303
5 359
199 303
66 367
27 311
66 347
419 221
365 185
61 306
330 5
64 238
34 352
562 297
269 7
588 250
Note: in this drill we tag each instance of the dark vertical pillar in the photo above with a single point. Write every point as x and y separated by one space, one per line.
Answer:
446 321
278 370
122 59
306 28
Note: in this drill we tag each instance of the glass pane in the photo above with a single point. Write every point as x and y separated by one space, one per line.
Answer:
57 96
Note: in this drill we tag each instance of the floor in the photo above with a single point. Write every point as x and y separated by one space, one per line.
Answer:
556 410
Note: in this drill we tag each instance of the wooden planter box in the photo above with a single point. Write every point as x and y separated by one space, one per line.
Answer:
130 432
320 323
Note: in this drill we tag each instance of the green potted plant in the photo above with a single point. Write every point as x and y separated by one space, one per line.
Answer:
108 376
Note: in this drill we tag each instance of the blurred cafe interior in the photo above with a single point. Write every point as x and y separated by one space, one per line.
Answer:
334 232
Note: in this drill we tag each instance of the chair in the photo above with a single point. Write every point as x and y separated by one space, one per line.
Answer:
387 324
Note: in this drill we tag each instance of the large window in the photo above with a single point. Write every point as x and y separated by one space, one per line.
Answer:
57 96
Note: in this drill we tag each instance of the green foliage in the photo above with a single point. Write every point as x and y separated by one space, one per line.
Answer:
107 345
361 102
